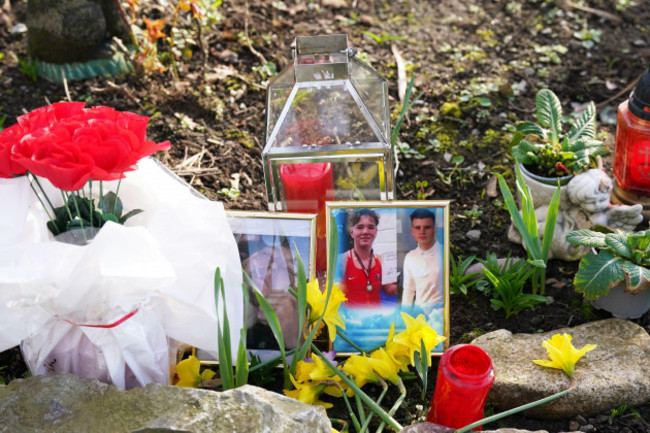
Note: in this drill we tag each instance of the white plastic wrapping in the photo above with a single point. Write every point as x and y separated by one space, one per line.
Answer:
160 265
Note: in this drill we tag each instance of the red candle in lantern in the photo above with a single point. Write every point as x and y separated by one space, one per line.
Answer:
465 375
632 160
306 189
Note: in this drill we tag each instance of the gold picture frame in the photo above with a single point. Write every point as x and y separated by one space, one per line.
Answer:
269 244
402 275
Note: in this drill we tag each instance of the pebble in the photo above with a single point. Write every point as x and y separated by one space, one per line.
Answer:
228 56
588 428
473 235
602 419
574 425
639 43
18 29
581 420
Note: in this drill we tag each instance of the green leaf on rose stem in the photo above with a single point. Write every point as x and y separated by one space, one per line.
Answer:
109 217
84 209
111 203
129 214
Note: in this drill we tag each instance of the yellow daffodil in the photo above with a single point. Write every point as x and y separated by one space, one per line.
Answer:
336 390
398 352
188 373
562 353
360 368
307 392
313 370
418 330
316 300
384 366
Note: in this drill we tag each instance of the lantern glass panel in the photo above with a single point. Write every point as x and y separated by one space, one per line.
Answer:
327 129
277 96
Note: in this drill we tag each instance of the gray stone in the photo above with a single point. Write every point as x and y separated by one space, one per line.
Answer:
72 404
473 235
614 373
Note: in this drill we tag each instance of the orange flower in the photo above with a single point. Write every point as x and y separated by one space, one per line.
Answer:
154 28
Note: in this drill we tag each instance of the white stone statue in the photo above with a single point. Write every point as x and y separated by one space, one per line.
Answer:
585 204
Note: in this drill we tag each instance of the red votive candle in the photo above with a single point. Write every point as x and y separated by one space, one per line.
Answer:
306 189
465 375
632 157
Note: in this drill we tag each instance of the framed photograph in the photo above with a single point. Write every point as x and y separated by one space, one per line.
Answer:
269 244
393 257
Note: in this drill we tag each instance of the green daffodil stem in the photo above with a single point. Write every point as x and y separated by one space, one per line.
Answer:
360 411
515 410
355 420
384 386
101 194
340 332
273 361
81 221
366 399
398 403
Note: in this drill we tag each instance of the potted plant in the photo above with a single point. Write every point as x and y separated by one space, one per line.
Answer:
548 157
546 153
615 275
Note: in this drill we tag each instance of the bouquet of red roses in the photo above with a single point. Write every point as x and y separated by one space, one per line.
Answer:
71 146
109 309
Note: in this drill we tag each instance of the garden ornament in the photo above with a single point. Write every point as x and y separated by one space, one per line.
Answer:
74 37
587 204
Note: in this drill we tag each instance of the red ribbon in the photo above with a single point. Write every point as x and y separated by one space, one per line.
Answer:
112 325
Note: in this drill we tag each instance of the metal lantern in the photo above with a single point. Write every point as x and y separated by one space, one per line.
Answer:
327 129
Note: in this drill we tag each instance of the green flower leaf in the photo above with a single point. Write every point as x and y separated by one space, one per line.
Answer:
598 273
619 243
585 125
549 113
637 278
586 238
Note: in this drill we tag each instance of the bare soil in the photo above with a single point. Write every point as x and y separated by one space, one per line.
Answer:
478 64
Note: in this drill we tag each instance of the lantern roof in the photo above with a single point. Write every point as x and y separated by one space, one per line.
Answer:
326 97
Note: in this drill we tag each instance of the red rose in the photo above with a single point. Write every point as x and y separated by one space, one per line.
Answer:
45 117
53 155
109 150
69 144
8 138
138 126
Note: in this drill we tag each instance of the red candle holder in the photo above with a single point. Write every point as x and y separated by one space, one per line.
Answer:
306 189
465 375
632 156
